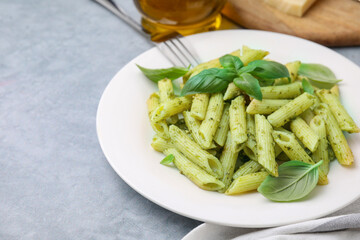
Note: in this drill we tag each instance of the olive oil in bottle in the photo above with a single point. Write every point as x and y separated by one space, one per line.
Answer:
166 18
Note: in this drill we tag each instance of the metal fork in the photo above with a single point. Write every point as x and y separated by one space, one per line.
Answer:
177 50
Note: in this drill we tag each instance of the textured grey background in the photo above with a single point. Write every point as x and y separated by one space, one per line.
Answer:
56 58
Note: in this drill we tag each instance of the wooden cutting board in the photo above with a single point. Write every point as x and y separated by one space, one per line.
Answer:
328 22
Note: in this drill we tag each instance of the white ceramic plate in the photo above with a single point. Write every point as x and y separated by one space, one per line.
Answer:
125 134
210 231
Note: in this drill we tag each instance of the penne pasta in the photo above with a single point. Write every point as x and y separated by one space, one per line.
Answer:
170 108
228 159
317 124
293 68
212 152
249 55
266 106
291 147
277 150
335 90
265 145
282 158
193 172
282 92
212 119
306 135
166 90
291 109
160 127
231 92
199 105
195 153
307 115
343 118
246 183
166 93
250 146
250 166
222 131
250 149
250 125
160 144
193 125
335 136
238 120
332 156
152 103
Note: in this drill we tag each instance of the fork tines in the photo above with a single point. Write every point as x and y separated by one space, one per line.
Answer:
179 52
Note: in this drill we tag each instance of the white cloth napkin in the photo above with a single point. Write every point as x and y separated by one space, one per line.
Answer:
329 228
339 227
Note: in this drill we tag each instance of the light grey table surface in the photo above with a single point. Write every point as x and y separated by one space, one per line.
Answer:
56 58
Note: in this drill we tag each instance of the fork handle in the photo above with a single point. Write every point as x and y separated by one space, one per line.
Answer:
119 12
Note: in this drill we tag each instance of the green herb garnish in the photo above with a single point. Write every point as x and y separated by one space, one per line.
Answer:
296 180
318 73
168 160
211 80
249 84
268 69
230 61
307 86
246 78
156 75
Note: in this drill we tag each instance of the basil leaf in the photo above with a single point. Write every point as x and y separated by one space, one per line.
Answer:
307 86
249 84
209 81
265 82
268 69
230 61
247 69
317 73
156 75
168 160
296 180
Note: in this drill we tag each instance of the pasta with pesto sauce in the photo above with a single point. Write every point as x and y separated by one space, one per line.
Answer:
230 141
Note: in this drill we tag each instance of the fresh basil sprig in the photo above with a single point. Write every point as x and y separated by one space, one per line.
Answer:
232 62
209 81
249 84
307 86
296 180
168 160
217 79
156 75
318 73
246 78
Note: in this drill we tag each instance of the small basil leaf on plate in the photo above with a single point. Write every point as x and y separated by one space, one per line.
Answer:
209 81
307 86
168 160
296 180
249 84
268 69
317 73
230 61
156 75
